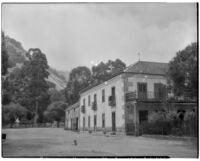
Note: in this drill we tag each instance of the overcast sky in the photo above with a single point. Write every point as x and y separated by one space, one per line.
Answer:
73 35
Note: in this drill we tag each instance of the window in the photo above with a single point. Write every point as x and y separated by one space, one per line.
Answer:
83 123
113 91
103 95
89 100
88 121
95 121
84 102
95 97
103 120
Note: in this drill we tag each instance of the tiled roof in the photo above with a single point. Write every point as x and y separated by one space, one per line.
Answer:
145 67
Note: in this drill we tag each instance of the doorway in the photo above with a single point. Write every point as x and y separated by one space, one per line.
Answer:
113 121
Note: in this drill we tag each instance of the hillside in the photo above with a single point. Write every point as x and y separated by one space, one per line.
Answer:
17 56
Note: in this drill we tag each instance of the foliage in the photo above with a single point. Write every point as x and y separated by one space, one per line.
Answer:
55 111
13 111
4 67
79 78
34 90
56 95
183 72
166 123
4 56
15 52
104 71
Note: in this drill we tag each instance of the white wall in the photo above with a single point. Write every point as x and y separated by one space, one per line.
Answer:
149 79
103 107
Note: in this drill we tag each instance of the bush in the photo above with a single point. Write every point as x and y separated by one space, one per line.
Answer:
165 123
11 112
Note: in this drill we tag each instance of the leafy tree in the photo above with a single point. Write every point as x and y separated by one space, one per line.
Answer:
79 78
55 111
4 56
104 71
183 72
56 95
4 66
13 111
34 90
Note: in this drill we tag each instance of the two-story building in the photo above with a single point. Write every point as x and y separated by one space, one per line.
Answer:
124 101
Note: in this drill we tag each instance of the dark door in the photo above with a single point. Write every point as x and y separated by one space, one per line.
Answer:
83 123
113 122
95 121
88 121
143 116
77 124
142 90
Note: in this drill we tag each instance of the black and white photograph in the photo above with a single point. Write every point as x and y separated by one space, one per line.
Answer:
99 80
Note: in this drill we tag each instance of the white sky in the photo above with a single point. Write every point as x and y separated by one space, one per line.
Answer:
73 35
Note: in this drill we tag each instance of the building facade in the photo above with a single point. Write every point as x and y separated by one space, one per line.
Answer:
72 117
115 104
124 102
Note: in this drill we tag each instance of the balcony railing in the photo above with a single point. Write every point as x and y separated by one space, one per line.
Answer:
131 96
112 101
83 109
94 106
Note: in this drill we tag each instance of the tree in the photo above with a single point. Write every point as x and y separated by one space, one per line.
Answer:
34 92
13 111
79 78
4 67
4 56
104 71
55 111
56 95
183 72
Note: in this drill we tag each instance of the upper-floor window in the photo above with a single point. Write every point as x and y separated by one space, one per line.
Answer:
84 102
95 97
103 95
113 92
89 100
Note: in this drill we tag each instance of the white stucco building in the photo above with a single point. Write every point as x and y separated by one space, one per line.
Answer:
123 100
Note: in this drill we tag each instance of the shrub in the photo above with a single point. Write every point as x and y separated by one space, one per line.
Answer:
13 111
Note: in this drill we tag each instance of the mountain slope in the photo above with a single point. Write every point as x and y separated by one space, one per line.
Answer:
17 56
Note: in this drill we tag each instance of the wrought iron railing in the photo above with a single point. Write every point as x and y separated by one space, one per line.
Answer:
131 96
94 106
112 101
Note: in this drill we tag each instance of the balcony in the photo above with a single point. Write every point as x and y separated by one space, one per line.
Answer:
150 95
94 106
112 101
83 109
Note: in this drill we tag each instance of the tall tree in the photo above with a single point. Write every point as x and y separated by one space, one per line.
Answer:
55 111
4 55
79 78
35 88
4 67
103 71
183 72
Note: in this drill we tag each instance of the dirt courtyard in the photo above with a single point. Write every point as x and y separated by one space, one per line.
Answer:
57 142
